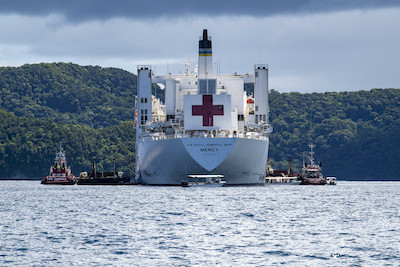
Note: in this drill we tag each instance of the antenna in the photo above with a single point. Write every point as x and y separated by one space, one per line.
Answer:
167 68
311 146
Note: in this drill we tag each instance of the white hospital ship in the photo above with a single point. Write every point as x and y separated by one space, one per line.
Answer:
208 125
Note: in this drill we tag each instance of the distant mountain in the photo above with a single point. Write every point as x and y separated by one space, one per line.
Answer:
90 109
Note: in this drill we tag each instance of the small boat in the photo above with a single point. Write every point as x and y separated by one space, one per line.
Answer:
312 173
103 178
331 180
60 172
203 180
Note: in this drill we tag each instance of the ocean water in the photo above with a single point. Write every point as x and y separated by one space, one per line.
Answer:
351 224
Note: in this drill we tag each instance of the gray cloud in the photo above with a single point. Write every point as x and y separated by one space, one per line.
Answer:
310 50
83 10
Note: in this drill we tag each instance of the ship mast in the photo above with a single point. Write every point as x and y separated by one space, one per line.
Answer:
311 146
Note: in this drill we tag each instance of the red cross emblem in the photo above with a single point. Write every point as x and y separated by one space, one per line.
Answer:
207 110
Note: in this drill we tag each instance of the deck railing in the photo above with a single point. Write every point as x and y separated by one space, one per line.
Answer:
177 136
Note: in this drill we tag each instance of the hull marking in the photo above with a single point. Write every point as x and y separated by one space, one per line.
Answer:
209 152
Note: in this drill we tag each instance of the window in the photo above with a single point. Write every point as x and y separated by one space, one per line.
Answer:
203 86
207 86
145 111
212 86
141 100
145 100
256 108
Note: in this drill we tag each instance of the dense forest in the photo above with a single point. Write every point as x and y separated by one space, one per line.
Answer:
90 109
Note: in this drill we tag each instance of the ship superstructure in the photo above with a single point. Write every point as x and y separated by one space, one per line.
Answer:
208 125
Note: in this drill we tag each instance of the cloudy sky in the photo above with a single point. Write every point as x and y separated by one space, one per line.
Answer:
310 45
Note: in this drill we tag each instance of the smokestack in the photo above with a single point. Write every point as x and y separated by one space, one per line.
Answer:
207 83
94 168
114 167
205 56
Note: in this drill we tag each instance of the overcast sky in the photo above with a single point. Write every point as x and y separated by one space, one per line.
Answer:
310 46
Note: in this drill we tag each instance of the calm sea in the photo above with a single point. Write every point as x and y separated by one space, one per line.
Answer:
351 224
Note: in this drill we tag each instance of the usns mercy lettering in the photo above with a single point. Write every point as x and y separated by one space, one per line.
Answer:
207 126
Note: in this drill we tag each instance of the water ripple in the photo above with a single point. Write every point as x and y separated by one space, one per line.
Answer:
351 224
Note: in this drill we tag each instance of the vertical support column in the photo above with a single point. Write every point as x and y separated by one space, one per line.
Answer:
144 96
261 105
170 98
144 83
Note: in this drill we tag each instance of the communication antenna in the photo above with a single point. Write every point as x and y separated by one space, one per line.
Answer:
311 146
168 68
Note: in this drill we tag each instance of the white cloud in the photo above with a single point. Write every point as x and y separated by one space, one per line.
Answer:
349 50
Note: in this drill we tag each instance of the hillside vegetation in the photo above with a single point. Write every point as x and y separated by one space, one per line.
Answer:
28 146
357 133
90 109
69 93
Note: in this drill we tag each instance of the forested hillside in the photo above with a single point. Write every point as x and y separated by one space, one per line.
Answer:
90 109
66 92
28 146
357 133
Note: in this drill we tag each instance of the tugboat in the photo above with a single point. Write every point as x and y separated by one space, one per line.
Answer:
312 173
103 178
60 172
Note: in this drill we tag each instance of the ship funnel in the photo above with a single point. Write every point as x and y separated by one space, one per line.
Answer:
114 168
94 168
207 84
205 56
205 34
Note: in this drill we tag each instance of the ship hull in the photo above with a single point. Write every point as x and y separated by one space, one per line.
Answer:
62 181
313 181
169 161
